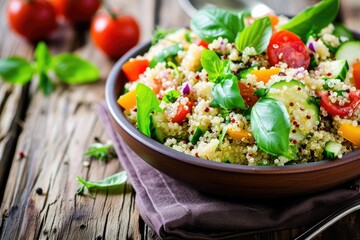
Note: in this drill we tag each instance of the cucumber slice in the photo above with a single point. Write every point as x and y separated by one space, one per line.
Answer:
157 133
332 150
349 51
339 69
304 115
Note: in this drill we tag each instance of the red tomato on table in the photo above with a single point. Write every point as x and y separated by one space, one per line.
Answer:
114 36
288 48
77 11
33 20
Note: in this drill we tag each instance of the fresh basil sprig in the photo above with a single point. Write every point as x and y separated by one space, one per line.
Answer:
146 103
101 151
257 35
16 70
168 54
270 125
226 93
313 18
111 182
213 65
171 96
212 23
68 68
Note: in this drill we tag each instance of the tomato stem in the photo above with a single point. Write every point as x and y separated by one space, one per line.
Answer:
108 8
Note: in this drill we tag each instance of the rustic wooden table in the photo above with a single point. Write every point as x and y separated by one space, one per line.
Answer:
53 132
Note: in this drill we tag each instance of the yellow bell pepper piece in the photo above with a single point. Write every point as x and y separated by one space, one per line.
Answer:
350 133
128 100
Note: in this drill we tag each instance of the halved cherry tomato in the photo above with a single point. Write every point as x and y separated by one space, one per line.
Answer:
201 42
288 48
350 132
247 93
182 112
34 20
76 11
334 109
356 74
134 68
115 36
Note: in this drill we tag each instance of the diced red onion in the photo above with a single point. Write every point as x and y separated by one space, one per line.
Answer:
186 89
311 47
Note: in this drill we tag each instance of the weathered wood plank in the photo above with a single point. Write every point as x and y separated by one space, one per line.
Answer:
56 133
12 99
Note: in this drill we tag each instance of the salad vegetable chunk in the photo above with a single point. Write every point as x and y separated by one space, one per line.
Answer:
252 91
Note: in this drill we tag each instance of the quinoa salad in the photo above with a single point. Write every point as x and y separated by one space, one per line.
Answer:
259 91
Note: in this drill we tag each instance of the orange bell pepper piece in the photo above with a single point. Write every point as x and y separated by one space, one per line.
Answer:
128 100
239 134
350 133
264 75
134 68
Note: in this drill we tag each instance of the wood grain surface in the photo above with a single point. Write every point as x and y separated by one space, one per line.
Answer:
53 132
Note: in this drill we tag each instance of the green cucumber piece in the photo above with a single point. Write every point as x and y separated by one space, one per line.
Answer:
197 134
342 31
156 132
349 51
339 69
332 149
294 96
244 73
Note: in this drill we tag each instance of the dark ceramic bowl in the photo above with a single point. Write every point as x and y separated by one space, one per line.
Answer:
222 178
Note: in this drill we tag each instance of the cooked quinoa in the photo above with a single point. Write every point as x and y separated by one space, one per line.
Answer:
191 80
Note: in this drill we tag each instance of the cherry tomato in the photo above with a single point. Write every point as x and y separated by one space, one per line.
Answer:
134 68
76 11
356 74
33 20
286 47
334 109
247 93
182 112
114 36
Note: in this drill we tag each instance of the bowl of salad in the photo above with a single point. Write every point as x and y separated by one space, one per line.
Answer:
265 107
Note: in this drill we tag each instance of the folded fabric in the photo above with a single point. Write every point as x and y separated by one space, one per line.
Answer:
175 210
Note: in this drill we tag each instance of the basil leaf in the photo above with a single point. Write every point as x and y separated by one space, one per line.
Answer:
261 92
257 35
166 55
101 151
270 125
227 93
42 56
72 69
212 23
146 103
313 18
211 62
45 83
171 96
16 70
113 181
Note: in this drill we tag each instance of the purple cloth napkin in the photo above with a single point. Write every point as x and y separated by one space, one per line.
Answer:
175 210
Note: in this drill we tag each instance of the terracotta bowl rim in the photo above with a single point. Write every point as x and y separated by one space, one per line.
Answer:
118 116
